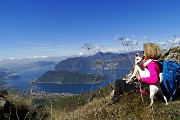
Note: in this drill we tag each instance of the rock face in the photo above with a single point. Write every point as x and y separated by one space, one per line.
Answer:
10 111
2 102
172 54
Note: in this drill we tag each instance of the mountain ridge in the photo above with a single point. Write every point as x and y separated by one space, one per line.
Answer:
88 62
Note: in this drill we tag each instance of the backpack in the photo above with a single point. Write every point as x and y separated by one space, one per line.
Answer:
171 77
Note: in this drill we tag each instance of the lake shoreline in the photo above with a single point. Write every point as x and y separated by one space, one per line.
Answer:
37 94
67 83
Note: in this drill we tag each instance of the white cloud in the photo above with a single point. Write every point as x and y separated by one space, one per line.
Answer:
35 57
44 56
81 53
174 41
162 43
111 50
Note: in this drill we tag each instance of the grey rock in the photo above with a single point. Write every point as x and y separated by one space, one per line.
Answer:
174 57
2 103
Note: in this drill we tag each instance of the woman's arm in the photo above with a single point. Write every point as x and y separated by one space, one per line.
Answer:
154 74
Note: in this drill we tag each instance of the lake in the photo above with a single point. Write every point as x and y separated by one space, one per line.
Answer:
27 75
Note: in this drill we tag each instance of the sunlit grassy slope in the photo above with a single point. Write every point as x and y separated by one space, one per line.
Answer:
130 107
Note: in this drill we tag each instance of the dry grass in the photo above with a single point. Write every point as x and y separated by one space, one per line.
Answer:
91 109
17 108
129 108
18 102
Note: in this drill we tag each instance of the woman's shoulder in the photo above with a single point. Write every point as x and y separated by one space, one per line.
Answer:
154 62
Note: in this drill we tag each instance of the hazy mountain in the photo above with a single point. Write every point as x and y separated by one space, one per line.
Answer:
6 74
3 69
103 60
14 63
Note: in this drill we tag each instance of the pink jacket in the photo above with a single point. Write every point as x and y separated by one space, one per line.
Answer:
154 70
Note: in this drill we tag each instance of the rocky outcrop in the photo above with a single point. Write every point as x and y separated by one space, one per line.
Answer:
172 54
174 57
12 111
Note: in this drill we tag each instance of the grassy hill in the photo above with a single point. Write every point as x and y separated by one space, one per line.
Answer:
94 105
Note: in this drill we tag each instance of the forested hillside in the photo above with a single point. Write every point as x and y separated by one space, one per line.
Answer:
63 76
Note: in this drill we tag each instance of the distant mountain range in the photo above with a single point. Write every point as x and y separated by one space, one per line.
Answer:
34 64
11 72
70 70
99 60
16 63
8 75
17 67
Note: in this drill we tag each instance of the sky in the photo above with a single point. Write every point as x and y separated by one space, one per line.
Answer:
40 28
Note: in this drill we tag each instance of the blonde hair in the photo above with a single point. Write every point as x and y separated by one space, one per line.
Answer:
152 51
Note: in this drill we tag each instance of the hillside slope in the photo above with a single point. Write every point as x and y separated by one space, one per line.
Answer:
132 105
94 105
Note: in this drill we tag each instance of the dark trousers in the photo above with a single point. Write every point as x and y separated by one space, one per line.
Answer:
120 87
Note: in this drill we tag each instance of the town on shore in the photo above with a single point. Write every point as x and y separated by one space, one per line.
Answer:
32 93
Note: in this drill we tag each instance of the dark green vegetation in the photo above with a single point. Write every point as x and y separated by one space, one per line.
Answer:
73 102
63 76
